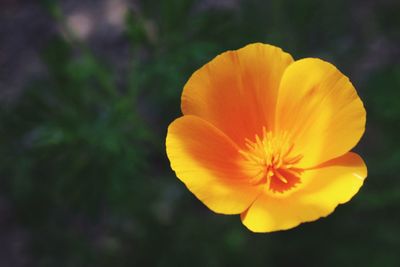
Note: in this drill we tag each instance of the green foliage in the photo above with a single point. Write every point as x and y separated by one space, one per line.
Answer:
83 156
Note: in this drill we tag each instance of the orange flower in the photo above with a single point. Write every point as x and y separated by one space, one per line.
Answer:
268 137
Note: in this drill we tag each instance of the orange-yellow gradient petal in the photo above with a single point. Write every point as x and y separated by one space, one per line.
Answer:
237 90
332 183
205 159
321 110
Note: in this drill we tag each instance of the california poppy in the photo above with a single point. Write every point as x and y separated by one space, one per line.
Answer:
268 137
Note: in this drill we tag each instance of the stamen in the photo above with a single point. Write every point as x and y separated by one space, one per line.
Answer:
272 155
280 177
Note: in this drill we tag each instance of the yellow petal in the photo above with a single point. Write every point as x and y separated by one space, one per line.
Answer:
237 90
332 183
320 108
205 159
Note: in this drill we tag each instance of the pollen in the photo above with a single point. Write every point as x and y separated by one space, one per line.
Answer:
271 160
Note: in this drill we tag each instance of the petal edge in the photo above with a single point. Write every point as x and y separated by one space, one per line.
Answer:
317 199
206 161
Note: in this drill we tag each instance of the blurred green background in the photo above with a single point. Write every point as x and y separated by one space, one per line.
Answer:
88 88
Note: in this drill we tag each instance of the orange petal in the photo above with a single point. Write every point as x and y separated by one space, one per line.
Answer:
320 108
332 183
206 160
237 90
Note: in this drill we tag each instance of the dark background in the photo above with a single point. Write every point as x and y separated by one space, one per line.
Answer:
88 88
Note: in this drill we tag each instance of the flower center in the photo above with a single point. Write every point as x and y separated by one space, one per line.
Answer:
270 161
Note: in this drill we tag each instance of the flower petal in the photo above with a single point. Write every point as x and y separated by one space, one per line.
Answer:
206 160
237 90
320 108
332 183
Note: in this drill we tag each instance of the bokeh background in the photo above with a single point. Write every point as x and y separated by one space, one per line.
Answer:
88 88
